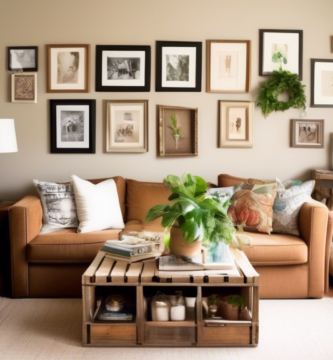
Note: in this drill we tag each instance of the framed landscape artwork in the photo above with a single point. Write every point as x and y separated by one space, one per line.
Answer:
236 124
122 68
68 68
127 126
228 66
24 87
178 66
321 83
281 48
178 131
73 125
307 134
22 58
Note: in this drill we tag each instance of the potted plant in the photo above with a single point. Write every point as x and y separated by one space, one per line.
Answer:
230 307
195 217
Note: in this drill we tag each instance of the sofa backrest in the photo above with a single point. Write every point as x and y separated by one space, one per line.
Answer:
225 180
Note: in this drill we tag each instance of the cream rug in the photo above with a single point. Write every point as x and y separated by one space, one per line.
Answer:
43 329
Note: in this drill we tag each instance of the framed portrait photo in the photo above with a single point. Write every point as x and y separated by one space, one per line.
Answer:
281 48
321 83
122 68
228 66
22 58
24 87
73 126
68 68
178 66
127 126
236 124
307 134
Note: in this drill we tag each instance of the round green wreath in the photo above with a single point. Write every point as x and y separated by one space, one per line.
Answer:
280 81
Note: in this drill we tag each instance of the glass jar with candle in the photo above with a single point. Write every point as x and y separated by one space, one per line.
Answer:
160 307
178 309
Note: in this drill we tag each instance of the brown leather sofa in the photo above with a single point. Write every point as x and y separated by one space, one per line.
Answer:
51 265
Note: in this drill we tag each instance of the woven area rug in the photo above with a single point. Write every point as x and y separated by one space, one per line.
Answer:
50 329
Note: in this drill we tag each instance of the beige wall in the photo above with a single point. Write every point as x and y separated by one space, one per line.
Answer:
142 22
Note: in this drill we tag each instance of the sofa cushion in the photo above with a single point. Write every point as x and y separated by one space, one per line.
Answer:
276 249
137 225
67 246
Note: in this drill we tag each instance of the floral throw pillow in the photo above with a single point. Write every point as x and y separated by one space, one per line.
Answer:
252 206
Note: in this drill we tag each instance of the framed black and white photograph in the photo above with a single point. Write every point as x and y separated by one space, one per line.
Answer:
178 66
281 48
127 126
122 68
22 58
307 134
68 68
24 87
73 126
321 83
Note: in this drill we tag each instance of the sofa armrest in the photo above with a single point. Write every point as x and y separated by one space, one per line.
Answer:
25 221
313 223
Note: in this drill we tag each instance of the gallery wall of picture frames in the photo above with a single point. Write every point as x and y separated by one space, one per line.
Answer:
127 68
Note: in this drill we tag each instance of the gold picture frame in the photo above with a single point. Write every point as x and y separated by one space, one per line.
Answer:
24 87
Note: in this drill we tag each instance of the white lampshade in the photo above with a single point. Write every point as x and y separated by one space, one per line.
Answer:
7 136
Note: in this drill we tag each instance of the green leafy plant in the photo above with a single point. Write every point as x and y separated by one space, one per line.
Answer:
279 82
236 300
177 132
212 300
200 216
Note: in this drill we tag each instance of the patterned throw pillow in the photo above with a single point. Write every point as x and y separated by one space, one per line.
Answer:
252 206
287 205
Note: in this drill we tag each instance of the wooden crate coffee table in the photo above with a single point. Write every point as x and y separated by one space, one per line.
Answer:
139 281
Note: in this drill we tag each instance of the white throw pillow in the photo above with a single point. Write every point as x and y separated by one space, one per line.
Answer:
97 205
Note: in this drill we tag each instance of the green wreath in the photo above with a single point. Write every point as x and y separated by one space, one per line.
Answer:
281 81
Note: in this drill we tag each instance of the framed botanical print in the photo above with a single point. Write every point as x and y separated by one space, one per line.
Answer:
178 131
68 68
281 48
236 124
122 68
22 58
73 125
127 126
307 134
178 66
321 83
24 87
228 66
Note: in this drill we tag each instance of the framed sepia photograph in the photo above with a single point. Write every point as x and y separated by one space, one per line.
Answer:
321 83
228 66
236 124
24 87
122 68
22 58
68 68
178 66
127 126
73 126
281 48
307 134
178 131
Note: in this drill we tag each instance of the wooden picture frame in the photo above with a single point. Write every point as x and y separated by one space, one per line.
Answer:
280 48
178 66
186 143
123 68
126 126
68 68
24 87
331 44
73 126
236 124
307 134
228 78
321 83
22 58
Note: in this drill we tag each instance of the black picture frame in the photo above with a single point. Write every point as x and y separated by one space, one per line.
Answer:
159 62
92 126
127 88
261 49
313 82
30 69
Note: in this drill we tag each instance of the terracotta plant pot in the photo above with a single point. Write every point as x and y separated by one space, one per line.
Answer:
228 311
178 245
